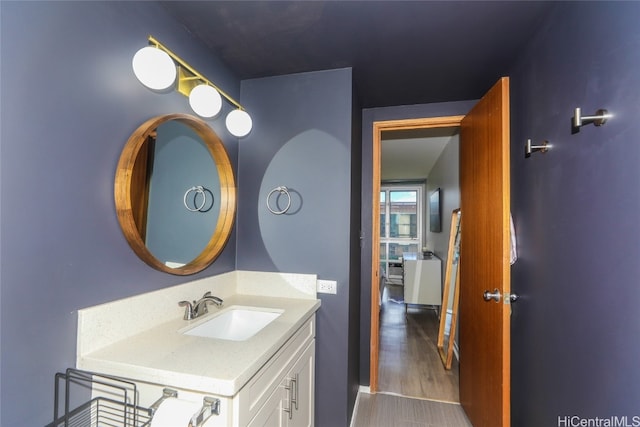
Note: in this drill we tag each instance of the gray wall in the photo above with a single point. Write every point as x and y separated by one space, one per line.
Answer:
302 140
69 103
369 116
446 176
576 331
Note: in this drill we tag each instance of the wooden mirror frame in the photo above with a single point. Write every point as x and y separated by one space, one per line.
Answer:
446 354
227 202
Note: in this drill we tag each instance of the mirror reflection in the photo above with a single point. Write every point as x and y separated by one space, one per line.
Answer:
176 231
451 294
175 193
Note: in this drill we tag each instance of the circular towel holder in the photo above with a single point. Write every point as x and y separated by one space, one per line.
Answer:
282 190
198 189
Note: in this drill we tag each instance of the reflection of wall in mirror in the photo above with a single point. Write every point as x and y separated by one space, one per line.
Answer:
181 161
454 274
450 297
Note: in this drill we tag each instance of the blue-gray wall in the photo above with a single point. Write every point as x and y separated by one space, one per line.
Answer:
369 116
303 135
576 331
69 103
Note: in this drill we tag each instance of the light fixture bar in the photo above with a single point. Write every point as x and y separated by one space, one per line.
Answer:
185 87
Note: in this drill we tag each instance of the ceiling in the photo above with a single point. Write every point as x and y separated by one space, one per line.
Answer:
411 154
401 52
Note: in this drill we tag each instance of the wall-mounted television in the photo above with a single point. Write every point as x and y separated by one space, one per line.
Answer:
435 211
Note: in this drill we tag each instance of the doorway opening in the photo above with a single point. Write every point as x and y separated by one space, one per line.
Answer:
386 314
485 329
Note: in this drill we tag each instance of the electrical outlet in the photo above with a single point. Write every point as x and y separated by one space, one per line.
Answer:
327 287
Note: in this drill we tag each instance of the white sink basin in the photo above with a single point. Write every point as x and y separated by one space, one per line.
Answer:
236 323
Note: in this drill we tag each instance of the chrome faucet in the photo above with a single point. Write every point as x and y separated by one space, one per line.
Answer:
195 309
200 308
188 312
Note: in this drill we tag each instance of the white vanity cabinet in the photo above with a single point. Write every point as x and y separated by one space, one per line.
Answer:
302 412
282 393
266 379
291 403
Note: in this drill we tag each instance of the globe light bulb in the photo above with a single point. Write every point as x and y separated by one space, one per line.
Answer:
154 68
239 123
205 101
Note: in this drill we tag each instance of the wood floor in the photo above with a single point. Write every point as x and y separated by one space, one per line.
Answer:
414 389
409 363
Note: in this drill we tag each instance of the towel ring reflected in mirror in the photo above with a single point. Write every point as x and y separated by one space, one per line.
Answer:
450 294
191 202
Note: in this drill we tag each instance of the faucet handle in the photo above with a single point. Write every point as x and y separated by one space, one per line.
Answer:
188 311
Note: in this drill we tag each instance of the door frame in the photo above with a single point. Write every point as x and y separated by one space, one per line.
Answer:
378 128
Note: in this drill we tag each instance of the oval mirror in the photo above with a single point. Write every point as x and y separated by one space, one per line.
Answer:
175 193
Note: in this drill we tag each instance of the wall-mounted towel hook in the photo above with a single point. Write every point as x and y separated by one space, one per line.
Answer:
528 148
598 119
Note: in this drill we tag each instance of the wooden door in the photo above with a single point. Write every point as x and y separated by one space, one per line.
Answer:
484 260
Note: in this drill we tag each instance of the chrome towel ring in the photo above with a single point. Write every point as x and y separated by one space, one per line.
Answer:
281 190
198 190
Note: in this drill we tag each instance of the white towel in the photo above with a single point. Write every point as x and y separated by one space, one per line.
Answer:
514 250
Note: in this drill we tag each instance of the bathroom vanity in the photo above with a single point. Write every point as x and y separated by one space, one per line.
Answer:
265 379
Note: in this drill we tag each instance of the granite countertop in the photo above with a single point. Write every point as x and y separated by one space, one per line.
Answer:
164 355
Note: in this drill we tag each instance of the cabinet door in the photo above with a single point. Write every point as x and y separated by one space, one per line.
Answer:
300 381
272 413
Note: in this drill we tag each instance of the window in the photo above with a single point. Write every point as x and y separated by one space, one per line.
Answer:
400 227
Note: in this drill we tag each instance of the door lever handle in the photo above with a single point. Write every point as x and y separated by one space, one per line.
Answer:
495 295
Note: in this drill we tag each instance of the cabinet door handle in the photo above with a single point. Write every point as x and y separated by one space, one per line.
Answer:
296 384
292 388
289 410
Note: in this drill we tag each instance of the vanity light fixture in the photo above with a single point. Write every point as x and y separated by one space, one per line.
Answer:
158 68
